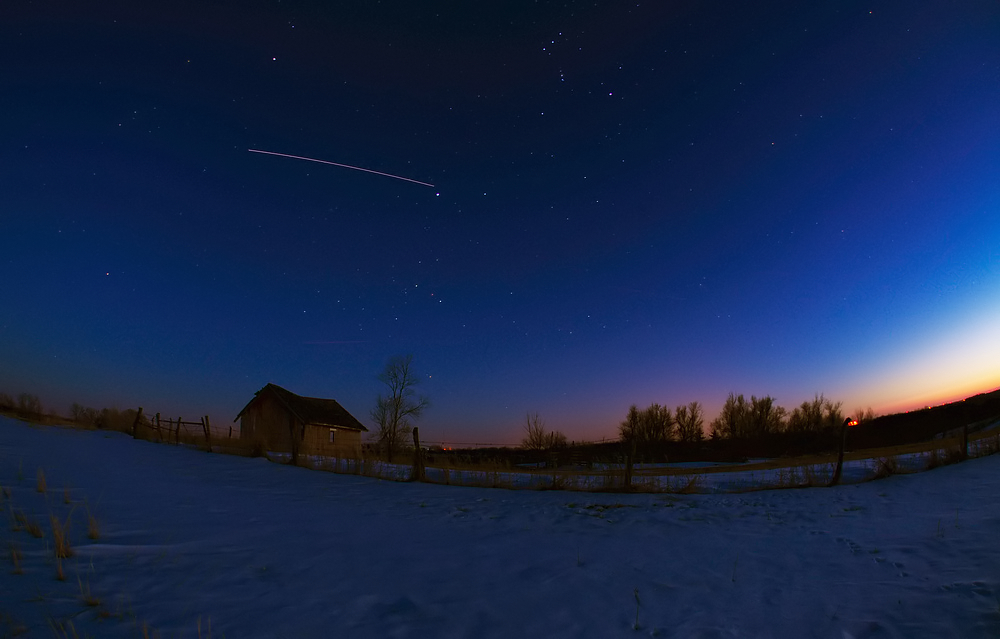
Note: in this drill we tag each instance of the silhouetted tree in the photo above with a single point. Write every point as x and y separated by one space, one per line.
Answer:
537 438
394 411
815 416
690 422
29 405
534 429
765 418
734 419
83 415
646 431
864 415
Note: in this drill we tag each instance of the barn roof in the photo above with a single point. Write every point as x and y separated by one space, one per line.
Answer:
309 410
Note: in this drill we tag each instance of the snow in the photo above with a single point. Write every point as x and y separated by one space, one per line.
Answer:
252 548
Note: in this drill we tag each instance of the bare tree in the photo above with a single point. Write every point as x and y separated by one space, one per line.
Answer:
534 432
537 438
690 422
395 409
647 431
733 420
29 405
864 415
765 418
815 416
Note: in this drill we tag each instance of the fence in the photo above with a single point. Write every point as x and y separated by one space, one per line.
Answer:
818 470
177 430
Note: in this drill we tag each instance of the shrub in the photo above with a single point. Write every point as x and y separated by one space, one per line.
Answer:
885 467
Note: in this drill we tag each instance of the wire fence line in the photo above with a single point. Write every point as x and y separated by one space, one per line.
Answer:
602 475
858 467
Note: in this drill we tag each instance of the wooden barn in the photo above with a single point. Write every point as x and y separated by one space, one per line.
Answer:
284 421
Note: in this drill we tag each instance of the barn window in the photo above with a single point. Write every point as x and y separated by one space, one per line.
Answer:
332 431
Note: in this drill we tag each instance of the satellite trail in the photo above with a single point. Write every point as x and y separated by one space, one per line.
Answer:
344 166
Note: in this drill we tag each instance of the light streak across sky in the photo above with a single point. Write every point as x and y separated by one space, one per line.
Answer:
345 166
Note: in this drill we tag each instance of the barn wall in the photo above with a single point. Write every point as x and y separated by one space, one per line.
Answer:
317 442
266 419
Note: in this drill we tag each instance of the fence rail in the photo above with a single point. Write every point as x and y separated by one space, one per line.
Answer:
168 429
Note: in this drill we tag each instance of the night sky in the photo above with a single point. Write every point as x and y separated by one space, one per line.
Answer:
664 201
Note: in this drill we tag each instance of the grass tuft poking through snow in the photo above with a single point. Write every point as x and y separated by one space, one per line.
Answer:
85 596
60 537
208 629
93 527
20 521
40 485
33 528
15 558
63 630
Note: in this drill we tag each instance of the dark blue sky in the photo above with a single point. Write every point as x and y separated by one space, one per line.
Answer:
633 203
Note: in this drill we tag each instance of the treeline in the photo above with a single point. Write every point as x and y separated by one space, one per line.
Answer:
26 405
29 406
106 418
762 417
647 433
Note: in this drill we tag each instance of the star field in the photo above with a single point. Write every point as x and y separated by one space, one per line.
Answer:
630 203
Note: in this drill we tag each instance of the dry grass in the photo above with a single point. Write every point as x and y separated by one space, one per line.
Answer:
15 558
937 458
85 595
20 521
40 484
692 485
15 519
60 537
63 630
60 575
93 526
208 629
33 528
886 467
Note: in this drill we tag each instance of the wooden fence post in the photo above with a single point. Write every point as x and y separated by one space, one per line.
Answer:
629 457
840 453
135 424
208 432
418 458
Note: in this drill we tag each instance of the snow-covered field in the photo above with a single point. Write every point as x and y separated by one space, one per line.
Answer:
257 549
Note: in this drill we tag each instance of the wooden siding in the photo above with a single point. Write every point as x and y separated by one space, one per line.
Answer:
347 443
267 420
